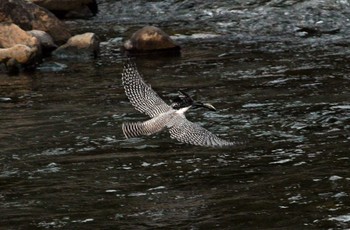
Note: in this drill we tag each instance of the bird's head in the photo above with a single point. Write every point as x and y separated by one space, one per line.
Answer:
185 100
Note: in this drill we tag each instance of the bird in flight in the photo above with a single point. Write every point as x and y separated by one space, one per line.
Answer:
164 116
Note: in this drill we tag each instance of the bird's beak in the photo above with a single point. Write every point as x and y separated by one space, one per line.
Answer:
204 105
209 106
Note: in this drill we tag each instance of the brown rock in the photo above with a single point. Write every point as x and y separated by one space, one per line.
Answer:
82 45
11 34
149 39
29 16
21 53
69 8
18 46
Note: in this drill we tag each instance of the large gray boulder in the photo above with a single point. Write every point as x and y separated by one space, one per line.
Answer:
45 40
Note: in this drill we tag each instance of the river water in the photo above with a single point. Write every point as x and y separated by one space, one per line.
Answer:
64 163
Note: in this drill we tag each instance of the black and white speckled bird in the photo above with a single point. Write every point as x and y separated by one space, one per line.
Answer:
164 116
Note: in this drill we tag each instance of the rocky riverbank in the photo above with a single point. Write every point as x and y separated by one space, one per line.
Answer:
275 25
29 31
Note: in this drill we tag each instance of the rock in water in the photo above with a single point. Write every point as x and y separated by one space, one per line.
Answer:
18 47
151 39
45 40
21 53
81 46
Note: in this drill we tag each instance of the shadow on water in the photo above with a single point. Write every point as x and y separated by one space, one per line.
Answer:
64 162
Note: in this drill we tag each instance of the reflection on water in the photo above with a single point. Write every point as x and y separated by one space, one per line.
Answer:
64 162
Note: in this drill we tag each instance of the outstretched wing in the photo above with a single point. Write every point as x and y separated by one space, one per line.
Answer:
141 95
185 131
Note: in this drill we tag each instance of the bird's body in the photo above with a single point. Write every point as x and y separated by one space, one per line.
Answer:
151 126
164 116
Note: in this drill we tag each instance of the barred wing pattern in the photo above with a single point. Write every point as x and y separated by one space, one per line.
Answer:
141 95
151 126
185 131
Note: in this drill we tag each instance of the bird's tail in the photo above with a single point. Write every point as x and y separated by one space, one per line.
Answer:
134 129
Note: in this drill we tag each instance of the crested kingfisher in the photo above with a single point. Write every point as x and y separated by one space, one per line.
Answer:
164 116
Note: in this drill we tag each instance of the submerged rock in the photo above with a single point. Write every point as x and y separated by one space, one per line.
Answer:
29 16
304 31
51 66
80 46
150 39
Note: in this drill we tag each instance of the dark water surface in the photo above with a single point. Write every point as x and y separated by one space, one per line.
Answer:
64 162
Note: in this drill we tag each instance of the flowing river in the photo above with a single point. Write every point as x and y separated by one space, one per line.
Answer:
65 164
